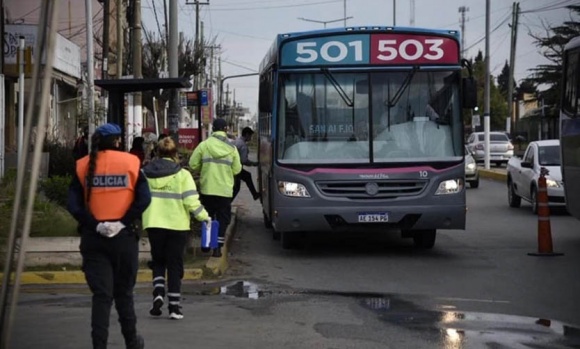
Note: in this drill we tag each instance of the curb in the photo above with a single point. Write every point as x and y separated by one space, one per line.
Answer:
494 175
214 267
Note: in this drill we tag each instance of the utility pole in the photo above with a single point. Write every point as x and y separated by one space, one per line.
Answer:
514 37
487 86
174 109
137 70
120 38
198 40
90 69
344 13
462 10
412 21
394 13
105 67
22 47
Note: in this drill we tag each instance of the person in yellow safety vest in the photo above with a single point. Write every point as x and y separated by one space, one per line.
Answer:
107 195
218 161
167 222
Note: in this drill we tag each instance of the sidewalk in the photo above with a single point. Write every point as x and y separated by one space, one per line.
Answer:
212 268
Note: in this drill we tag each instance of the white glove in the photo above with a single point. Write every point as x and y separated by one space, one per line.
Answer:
111 229
102 228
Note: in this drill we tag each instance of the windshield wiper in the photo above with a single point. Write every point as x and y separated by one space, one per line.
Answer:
337 87
392 102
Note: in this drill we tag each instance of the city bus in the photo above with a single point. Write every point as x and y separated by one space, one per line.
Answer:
361 129
570 126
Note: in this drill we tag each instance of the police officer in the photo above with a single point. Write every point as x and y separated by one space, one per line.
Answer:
167 221
218 161
106 196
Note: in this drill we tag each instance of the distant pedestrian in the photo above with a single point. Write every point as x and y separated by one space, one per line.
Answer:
154 151
107 195
167 221
218 162
137 149
81 147
242 144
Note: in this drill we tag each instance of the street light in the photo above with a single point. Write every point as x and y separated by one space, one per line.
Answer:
325 22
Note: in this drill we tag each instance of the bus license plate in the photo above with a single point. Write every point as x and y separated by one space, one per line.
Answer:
376 217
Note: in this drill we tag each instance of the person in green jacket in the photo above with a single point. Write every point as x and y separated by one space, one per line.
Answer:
167 221
218 161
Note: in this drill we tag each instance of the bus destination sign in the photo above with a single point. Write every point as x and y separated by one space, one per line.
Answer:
374 49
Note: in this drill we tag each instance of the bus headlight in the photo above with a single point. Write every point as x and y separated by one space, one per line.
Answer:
293 189
451 186
552 183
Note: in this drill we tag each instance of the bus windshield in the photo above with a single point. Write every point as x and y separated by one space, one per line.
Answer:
372 117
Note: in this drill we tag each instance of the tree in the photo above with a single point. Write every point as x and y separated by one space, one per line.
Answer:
503 80
498 107
190 62
552 47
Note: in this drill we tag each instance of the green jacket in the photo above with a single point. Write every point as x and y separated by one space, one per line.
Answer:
173 196
218 161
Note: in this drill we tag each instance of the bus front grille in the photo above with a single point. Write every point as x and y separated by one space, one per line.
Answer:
385 189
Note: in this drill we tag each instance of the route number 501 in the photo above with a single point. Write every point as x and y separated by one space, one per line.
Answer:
332 51
429 49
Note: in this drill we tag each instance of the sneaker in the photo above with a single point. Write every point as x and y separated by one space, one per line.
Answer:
175 313
156 308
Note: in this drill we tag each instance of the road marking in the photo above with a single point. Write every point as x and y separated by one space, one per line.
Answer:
472 300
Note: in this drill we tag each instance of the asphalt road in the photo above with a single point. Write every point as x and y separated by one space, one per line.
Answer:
477 288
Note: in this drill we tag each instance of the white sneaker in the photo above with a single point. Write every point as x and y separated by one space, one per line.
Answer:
156 308
175 313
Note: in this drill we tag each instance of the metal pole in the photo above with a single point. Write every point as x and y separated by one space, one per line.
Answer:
90 69
120 39
105 67
22 48
514 38
394 13
173 117
137 70
486 120
197 49
344 14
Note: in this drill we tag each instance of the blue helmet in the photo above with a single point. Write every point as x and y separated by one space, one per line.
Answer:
109 129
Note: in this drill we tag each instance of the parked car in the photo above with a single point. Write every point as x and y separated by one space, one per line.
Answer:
471 170
501 148
523 174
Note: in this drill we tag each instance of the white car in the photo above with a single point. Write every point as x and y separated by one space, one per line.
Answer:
471 170
523 174
501 148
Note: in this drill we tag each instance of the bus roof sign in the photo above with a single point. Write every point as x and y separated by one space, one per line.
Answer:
372 49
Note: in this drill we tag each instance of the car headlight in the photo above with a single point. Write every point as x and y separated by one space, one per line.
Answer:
552 183
451 186
470 166
293 189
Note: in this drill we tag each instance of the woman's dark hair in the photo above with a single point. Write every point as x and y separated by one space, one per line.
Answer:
98 142
138 143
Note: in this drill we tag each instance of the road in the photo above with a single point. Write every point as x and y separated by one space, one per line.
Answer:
477 288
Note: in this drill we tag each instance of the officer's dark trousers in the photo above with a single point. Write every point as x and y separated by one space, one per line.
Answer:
110 267
167 249
246 177
220 209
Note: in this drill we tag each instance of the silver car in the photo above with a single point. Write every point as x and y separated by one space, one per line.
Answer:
501 148
471 170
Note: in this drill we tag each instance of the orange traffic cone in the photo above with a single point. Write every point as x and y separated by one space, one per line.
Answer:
544 229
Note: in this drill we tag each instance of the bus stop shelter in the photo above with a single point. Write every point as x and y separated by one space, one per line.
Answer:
117 88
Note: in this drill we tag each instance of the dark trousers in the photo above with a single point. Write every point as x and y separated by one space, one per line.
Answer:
220 209
167 249
110 267
246 177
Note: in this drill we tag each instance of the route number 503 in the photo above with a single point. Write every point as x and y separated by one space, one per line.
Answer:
429 49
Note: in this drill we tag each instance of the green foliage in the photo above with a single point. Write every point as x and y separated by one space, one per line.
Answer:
61 161
55 189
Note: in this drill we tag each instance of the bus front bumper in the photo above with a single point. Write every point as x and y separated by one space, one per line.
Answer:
289 219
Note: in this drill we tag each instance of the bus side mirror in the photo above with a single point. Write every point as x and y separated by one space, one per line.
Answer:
469 88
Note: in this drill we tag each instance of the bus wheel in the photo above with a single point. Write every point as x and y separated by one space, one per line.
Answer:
424 238
290 240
